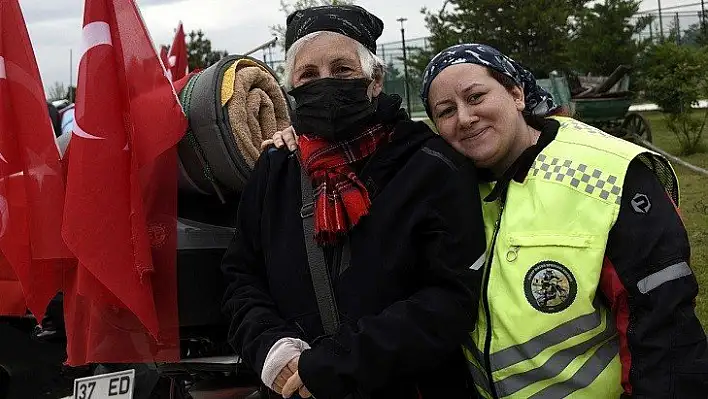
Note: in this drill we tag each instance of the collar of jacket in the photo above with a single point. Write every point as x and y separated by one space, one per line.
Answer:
520 168
388 109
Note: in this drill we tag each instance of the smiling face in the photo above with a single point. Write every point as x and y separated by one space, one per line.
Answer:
332 55
477 115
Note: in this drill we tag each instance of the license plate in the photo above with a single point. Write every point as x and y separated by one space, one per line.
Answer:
118 385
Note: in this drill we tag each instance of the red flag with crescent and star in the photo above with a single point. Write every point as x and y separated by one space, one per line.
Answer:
31 177
121 195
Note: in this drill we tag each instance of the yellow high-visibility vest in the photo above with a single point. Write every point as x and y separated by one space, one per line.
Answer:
543 331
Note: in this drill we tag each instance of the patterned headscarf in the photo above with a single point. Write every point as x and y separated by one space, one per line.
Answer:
538 100
348 20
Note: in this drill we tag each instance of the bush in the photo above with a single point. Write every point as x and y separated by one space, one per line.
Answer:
676 77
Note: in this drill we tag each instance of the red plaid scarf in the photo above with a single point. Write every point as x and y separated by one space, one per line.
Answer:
341 198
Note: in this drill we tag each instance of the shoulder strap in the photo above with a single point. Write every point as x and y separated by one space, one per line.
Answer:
318 266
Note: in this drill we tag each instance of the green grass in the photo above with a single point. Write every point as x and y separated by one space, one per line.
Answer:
694 206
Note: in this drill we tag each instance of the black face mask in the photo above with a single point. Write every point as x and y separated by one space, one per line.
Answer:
333 109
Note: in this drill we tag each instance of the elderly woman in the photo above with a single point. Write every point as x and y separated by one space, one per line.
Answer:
587 290
355 269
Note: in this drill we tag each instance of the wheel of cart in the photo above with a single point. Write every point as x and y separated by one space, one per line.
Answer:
636 128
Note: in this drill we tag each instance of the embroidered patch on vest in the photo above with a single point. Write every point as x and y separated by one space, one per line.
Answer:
550 287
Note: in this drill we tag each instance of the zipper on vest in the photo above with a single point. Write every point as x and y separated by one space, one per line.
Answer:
487 312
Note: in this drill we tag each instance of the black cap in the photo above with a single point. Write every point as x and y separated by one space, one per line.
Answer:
348 20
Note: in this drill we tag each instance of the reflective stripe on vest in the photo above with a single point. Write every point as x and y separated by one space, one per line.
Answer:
606 342
536 345
586 375
562 359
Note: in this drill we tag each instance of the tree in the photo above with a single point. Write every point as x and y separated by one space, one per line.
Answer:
440 38
675 77
695 35
290 7
534 33
603 37
57 92
199 51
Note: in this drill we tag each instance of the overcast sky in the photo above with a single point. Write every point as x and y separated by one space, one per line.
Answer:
234 25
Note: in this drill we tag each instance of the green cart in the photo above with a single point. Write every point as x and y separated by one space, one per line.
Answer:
605 110
611 115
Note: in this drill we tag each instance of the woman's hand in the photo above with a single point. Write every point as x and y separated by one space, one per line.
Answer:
294 383
285 374
286 137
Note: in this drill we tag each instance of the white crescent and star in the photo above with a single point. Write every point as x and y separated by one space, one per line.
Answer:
78 131
22 77
40 170
94 34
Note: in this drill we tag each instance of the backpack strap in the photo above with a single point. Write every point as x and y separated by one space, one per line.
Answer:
318 266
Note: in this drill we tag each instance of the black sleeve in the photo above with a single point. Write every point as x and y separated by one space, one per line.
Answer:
649 249
414 334
255 324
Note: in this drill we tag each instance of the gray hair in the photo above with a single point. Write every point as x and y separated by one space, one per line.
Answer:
371 64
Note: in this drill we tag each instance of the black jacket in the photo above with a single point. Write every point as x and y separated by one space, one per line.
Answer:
662 343
407 301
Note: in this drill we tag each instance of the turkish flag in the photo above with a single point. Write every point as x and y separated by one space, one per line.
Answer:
177 62
121 195
31 175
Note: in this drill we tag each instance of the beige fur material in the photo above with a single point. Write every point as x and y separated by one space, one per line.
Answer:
256 110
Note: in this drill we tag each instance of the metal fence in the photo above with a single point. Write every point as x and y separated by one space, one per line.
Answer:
395 82
685 23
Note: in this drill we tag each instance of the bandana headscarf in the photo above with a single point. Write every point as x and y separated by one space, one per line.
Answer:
348 20
538 101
